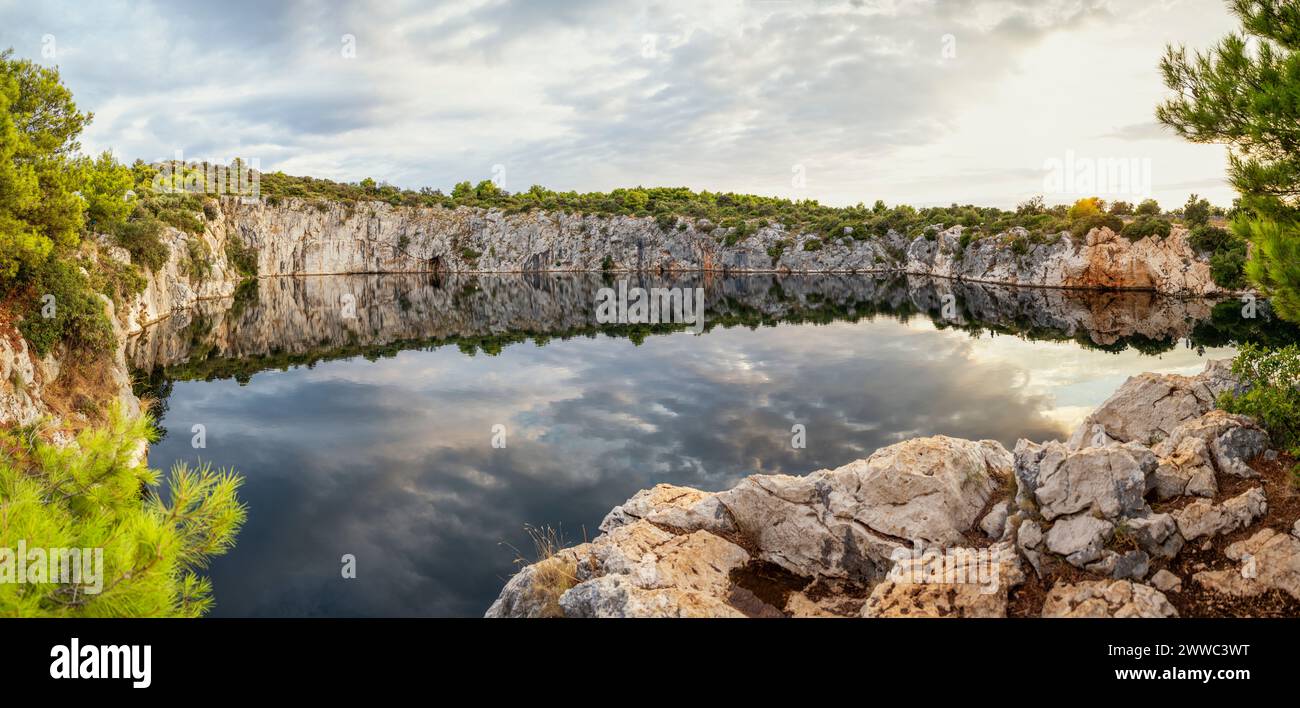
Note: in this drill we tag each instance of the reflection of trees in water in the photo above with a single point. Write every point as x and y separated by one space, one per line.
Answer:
276 323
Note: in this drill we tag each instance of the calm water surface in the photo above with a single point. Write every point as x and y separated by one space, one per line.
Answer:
361 409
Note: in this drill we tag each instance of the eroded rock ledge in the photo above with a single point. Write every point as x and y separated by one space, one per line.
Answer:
1154 504
296 237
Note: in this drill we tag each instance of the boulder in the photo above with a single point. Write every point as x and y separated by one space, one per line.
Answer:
1185 470
1110 481
957 582
634 570
1080 538
1029 541
1148 407
1204 518
1165 581
669 505
1217 440
994 523
618 596
1106 598
1269 561
1157 534
536 589
845 523
1132 565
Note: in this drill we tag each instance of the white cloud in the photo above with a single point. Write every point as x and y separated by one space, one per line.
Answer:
590 95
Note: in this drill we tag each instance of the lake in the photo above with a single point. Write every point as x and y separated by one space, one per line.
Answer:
419 423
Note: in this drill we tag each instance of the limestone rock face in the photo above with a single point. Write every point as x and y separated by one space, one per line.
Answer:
26 380
1079 538
1106 598
670 505
294 236
845 523
1217 440
1111 481
196 269
1203 518
1148 408
1269 561
634 570
1102 259
958 582
22 377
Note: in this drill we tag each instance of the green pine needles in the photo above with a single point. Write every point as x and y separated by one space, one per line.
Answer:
135 548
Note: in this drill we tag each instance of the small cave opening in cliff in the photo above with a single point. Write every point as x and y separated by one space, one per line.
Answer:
436 265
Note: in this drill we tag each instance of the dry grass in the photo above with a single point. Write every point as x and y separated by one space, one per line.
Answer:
554 569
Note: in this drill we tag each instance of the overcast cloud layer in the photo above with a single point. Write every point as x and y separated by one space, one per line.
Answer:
919 101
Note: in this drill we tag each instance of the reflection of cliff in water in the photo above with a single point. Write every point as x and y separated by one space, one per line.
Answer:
280 322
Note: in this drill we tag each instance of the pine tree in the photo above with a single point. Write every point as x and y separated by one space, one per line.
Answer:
1245 92
97 493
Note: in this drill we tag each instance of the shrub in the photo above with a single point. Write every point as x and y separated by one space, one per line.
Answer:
77 315
241 257
142 238
117 280
775 250
1273 396
1211 239
1148 207
1274 266
198 259
1228 268
813 244
1145 226
1082 226
97 494
1197 211
1086 208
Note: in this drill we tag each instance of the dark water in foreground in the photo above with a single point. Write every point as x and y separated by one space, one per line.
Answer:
364 421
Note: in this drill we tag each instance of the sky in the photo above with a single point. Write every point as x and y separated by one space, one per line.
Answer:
927 102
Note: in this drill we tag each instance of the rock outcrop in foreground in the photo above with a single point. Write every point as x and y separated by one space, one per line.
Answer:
1100 526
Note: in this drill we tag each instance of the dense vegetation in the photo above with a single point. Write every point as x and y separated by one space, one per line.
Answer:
95 493
1245 93
742 214
1272 392
87 495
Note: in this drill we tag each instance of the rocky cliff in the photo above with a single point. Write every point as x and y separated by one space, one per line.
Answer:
1159 505
294 237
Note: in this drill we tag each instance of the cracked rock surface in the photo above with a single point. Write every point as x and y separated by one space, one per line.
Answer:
929 528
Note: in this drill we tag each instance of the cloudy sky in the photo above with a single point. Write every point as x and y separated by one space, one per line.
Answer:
917 101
